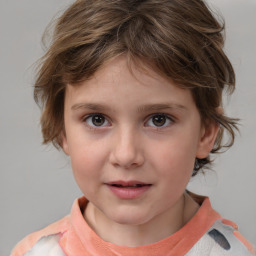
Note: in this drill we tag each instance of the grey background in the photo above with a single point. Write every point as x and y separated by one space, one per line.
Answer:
36 183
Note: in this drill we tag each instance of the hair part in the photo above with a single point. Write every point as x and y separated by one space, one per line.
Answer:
180 39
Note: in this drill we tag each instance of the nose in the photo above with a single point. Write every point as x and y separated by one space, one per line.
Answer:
127 150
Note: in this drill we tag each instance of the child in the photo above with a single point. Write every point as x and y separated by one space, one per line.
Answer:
132 91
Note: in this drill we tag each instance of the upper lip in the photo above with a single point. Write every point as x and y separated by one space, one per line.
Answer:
126 183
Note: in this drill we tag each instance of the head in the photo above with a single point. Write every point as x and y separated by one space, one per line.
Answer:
179 40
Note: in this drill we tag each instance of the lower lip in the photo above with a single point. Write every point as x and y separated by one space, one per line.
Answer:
129 192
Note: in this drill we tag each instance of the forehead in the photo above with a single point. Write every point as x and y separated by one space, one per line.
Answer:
132 84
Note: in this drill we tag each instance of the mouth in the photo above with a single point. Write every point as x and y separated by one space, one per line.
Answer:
128 190
133 186
128 184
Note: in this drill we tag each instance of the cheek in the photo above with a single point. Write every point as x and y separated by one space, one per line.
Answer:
86 171
176 156
175 162
87 161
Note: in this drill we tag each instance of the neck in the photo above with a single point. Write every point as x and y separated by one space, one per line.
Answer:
152 231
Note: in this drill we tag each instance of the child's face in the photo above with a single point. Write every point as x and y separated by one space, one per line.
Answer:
124 129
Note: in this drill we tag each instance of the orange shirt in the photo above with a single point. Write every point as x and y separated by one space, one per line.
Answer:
72 236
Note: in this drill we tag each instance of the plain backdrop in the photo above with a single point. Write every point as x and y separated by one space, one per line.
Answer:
36 183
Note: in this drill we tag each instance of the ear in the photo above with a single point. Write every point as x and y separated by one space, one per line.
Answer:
209 134
64 143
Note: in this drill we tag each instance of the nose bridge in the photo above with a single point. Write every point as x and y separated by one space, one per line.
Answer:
127 151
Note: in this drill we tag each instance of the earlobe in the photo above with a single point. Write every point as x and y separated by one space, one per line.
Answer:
207 140
64 143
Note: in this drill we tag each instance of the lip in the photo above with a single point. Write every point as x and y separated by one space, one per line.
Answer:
128 189
126 183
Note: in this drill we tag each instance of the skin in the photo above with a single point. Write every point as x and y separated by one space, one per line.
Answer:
130 145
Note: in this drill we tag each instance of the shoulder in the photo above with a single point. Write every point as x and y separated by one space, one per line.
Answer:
223 239
45 239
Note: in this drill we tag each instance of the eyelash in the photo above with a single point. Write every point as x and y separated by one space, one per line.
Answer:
168 119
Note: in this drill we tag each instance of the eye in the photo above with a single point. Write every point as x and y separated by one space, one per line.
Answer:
159 120
96 120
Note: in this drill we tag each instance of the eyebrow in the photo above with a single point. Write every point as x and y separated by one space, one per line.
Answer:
92 106
157 107
143 108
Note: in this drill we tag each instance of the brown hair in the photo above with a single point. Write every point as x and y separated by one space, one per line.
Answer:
180 39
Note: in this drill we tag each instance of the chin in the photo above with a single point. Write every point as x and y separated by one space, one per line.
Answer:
129 218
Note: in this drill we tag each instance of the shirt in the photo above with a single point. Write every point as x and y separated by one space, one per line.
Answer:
207 233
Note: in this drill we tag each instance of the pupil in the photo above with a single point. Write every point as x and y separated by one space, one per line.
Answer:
159 120
98 120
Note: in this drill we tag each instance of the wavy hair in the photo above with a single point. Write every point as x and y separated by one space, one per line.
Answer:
180 39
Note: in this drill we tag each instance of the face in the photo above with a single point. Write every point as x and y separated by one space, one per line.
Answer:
132 140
